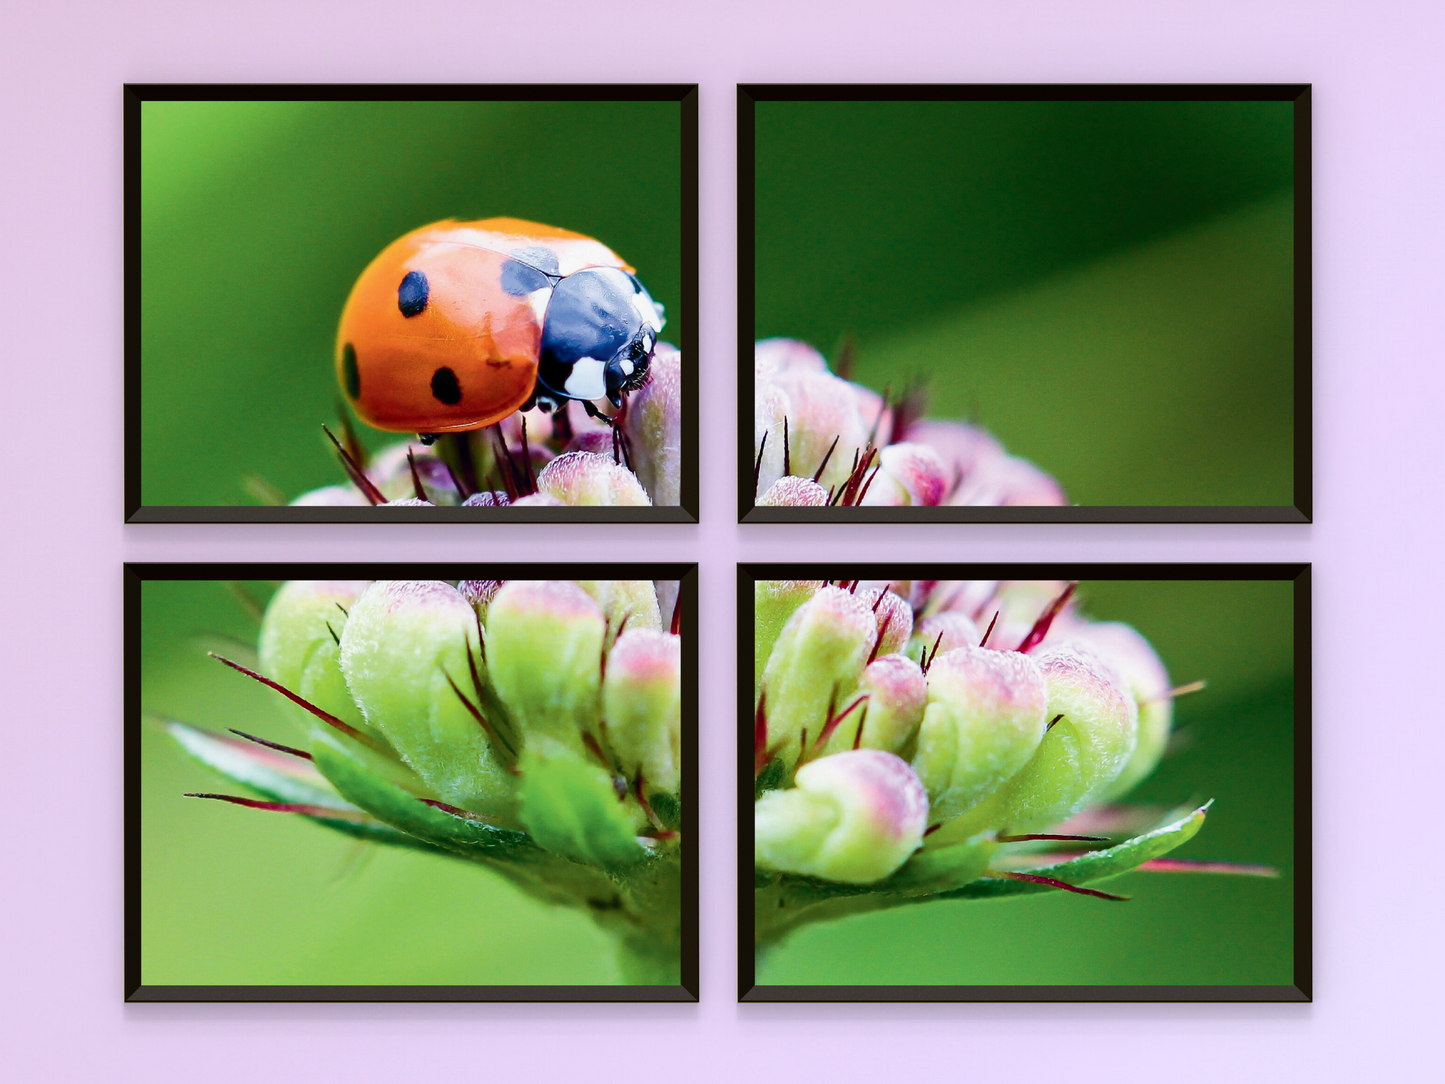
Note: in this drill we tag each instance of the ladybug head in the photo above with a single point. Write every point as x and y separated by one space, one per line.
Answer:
597 338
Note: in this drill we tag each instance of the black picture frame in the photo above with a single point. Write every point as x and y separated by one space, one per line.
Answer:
1300 511
135 574
1296 573
685 94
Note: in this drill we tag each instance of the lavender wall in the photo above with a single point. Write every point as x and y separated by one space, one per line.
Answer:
1376 545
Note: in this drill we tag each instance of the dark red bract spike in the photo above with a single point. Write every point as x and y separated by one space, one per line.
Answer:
503 747
832 723
639 789
826 456
1053 722
989 631
455 811
882 631
758 464
1032 878
1046 619
416 486
270 744
1046 835
676 625
305 809
325 716
787 451
928 658
355 473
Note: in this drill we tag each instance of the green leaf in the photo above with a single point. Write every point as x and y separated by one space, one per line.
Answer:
570 808
1094 866
411 815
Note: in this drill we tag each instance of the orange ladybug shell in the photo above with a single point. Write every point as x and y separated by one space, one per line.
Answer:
468 356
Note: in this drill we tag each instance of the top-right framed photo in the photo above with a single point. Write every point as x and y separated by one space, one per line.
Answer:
1048 303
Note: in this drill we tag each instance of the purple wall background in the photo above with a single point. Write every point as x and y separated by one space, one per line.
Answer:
1376 544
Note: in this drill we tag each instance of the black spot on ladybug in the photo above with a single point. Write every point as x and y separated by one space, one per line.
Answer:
520 279
543 259
349 372
444 387
412 294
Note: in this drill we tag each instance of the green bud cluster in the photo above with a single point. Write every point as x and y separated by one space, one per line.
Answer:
532 726
878 720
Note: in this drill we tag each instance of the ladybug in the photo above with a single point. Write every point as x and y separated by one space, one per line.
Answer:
458 324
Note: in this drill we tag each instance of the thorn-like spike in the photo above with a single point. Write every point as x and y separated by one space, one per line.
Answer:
760 734
758 463
1046 619
1032 878
270 744
787 450
826 456
305 809
416 487
355 473
325 716
1047 835
508 753
334 637
833 721
1186 865
882 631
989 631
929 657
675 626
1053 722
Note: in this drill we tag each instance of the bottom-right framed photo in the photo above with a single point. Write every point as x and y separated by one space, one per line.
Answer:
1061 782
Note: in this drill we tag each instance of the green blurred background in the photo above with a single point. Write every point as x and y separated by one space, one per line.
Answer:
257 217
234 896
1107 286
1179 929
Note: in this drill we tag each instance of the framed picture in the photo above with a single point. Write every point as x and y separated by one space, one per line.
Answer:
1024 303
1024 782
470 782
435 303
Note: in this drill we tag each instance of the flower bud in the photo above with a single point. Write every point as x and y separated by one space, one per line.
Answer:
654 425
1005 480
342 496
536 500
299 644
822 407
854 817
1148 682
586 479
918 474
773 356
984 720
774 601
403 640
1080 755
889 719
544 655
792 491
630 603
961 447
814 666
479 593
957 629
894 617
642 706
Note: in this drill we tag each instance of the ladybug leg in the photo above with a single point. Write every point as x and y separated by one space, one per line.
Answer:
593 412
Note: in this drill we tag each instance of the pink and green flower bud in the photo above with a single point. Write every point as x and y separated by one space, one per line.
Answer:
1007 481
626 604
821 408
1080 756
1148 681
403 641
854 817
956 629
1018 604
544 657
642 706
911 474
774 601
653 424
343 496
984 721
773 356
588 479
537 500
897 694
791 491
894 617
814 668
300 647
961 447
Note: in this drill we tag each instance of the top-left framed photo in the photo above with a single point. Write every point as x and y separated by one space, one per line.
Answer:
411 303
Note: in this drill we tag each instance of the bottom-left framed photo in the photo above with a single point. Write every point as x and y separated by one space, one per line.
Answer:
377 782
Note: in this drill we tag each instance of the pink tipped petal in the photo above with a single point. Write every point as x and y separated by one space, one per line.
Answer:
1007 480
821 408
653 424
772 356
919 470
957 628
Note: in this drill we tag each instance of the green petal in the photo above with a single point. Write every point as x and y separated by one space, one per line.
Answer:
570 808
